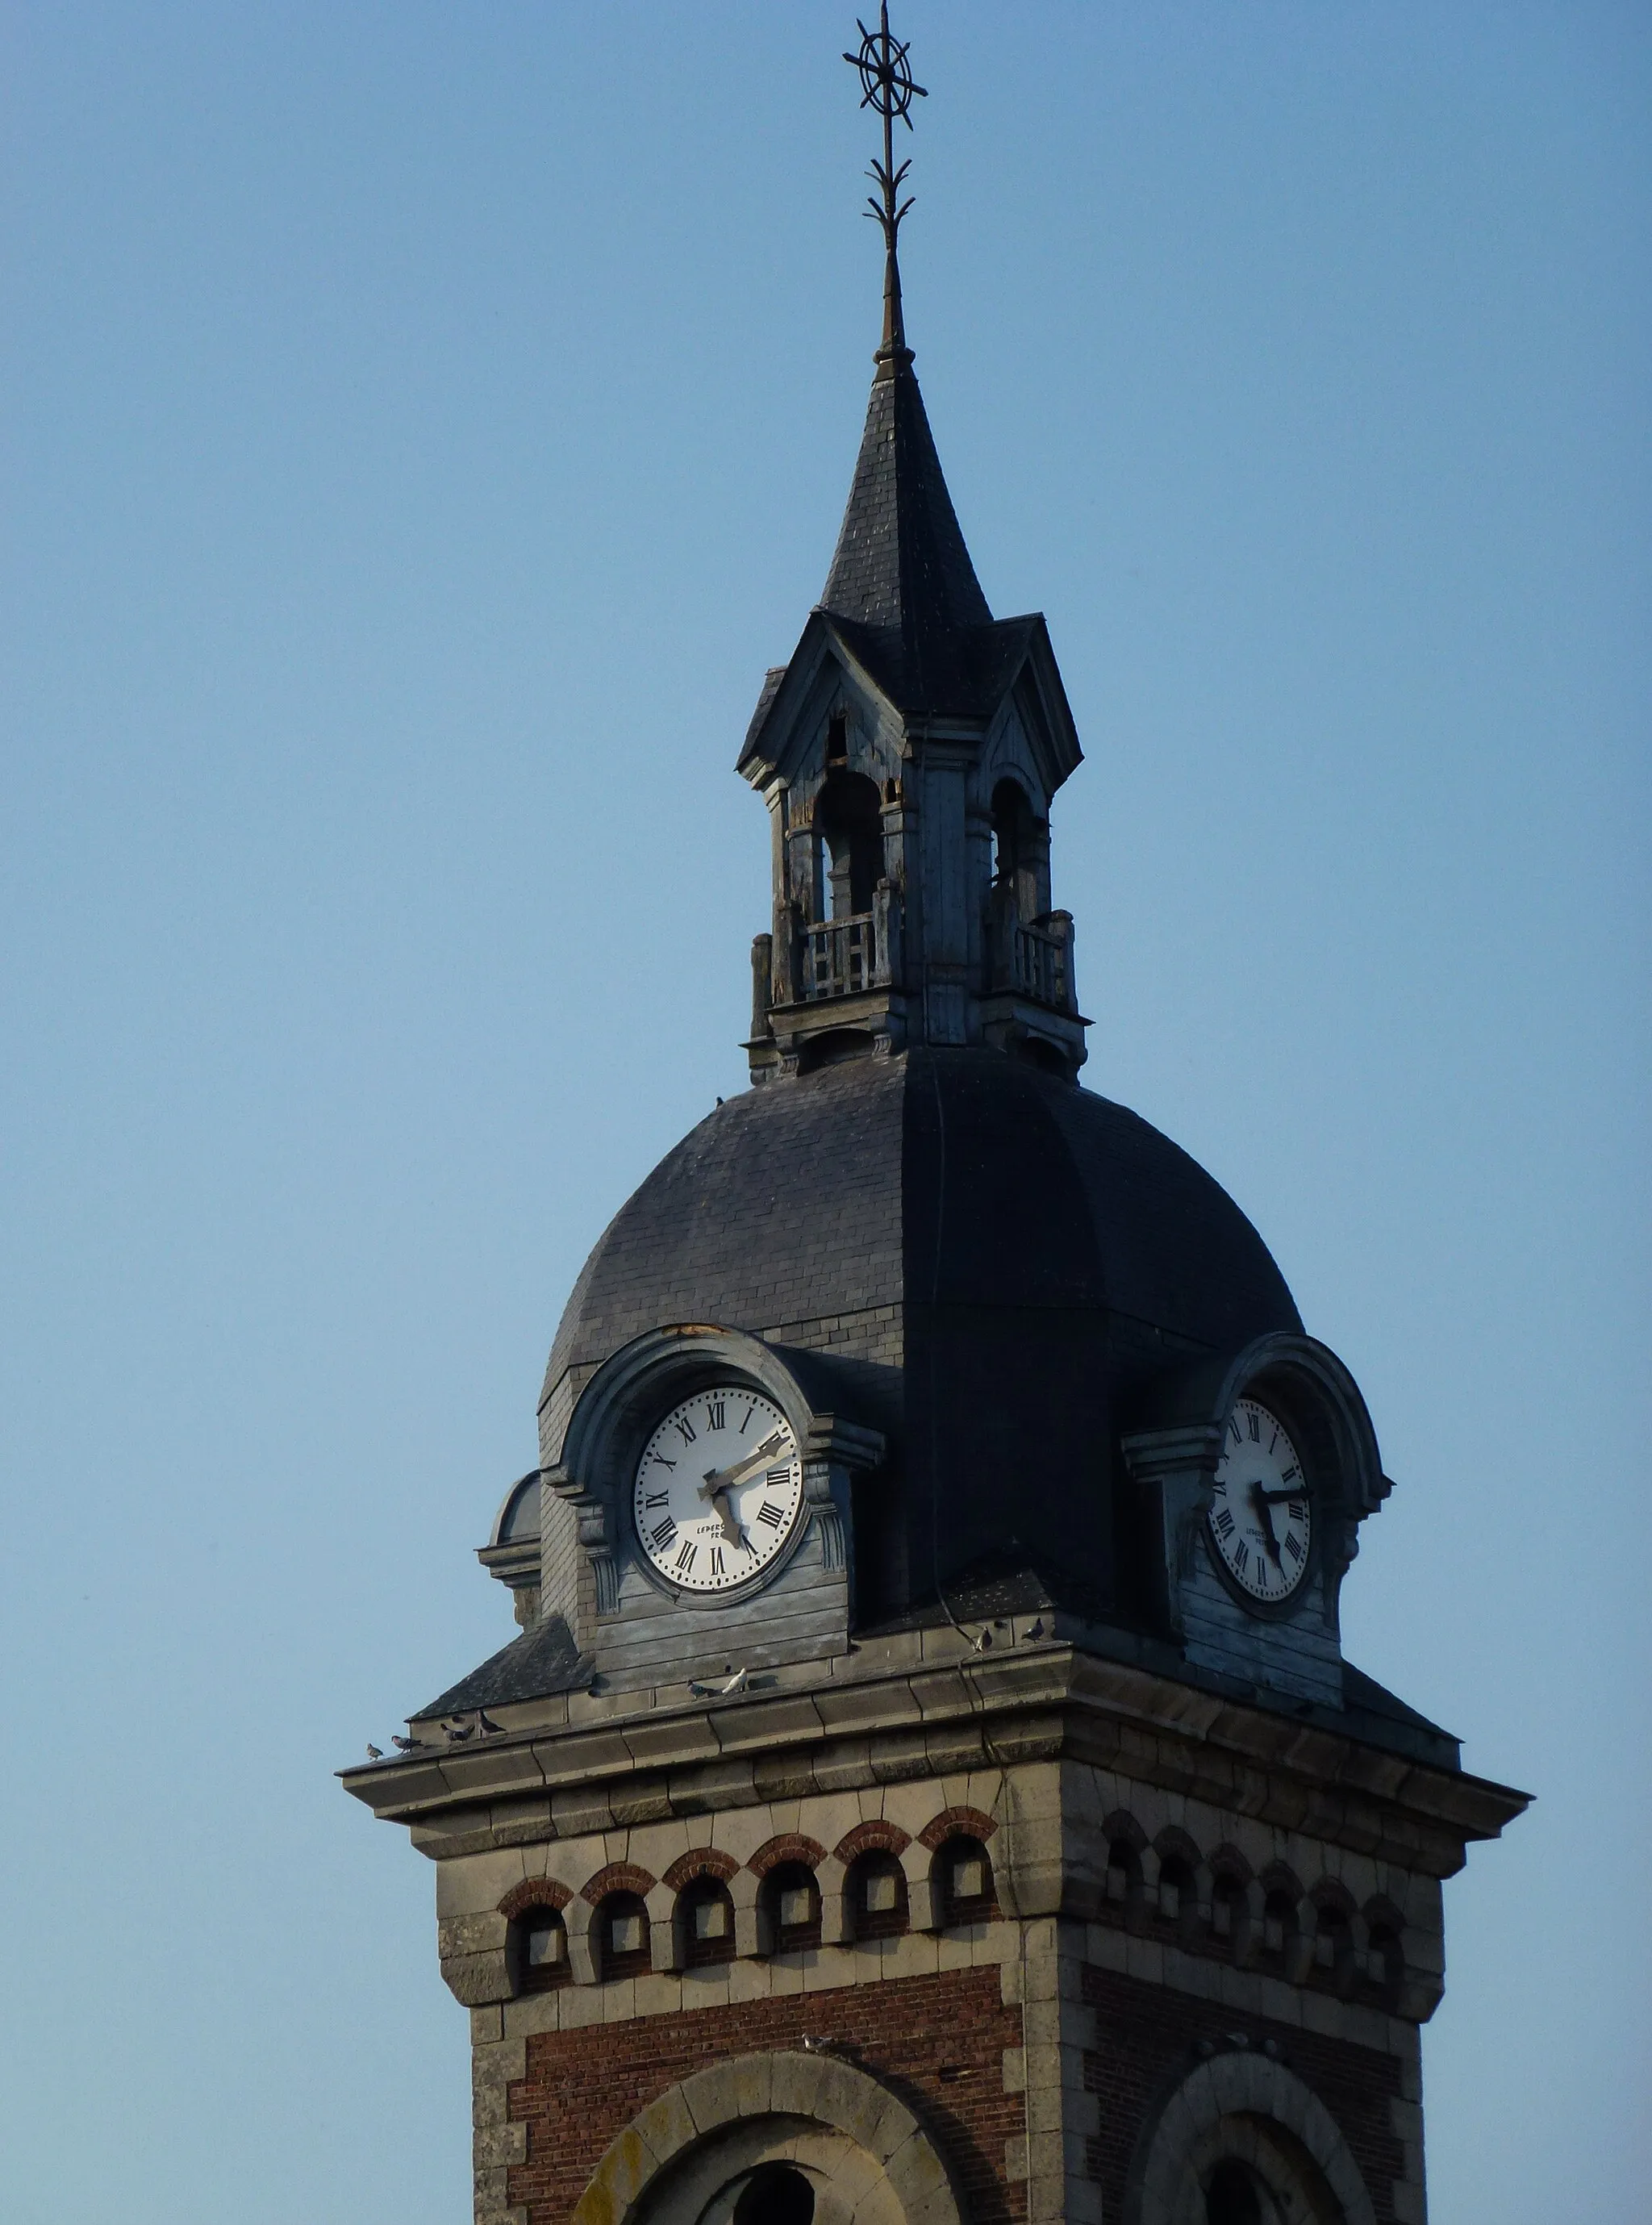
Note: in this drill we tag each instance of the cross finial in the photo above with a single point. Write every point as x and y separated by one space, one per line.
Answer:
886 77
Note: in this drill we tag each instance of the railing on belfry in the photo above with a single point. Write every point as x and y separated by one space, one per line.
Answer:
844 957
1033 958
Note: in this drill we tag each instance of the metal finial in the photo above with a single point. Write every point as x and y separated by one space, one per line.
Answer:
887 86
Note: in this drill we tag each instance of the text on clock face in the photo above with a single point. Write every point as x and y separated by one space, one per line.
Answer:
719 1489
1260 1518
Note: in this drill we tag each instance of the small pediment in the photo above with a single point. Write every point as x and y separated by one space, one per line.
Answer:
962 685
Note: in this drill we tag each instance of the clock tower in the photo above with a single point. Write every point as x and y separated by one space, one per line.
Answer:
926 1787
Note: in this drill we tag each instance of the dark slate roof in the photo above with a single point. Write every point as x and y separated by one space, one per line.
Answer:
1009 1263
543 1660
901 560
783 1205
771 681
965 673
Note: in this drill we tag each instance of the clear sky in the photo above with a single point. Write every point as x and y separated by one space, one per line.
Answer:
423 425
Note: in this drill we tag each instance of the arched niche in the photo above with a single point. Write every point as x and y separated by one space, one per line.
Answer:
692 2155
1243 2118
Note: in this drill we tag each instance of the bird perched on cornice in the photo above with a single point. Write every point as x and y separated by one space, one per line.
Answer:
374 1753
736 1684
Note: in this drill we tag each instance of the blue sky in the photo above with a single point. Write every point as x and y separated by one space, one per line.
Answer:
423 425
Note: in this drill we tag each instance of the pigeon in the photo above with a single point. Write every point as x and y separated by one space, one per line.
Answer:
456 1731
485 1723
374 1752
736 1684
407 1746
1037 1630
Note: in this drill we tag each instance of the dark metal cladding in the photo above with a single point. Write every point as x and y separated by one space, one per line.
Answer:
993 1263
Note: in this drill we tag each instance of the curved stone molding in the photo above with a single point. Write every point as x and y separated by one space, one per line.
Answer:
871 2159
535 1892
968 1823
1247 2106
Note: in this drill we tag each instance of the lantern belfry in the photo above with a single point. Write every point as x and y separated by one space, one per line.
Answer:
926 1787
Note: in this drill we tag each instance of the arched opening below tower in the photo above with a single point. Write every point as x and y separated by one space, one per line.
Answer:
776 2194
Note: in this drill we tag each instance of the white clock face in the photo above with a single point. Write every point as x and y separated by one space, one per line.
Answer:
1261 1520
719 1489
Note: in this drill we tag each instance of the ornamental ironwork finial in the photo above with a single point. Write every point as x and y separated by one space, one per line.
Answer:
887 86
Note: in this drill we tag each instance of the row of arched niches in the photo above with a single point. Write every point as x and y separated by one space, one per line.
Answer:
794 1898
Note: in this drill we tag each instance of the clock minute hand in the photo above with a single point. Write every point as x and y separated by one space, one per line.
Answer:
721 1479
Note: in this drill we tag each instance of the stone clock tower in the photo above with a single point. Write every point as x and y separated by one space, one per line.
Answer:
927 1788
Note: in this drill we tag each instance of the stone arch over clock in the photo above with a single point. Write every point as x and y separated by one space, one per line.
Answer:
708 1475
1248 1487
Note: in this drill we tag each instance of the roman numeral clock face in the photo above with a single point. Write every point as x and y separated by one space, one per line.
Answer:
718 1490
1261 1519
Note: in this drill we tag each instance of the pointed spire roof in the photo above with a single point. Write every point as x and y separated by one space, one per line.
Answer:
900 562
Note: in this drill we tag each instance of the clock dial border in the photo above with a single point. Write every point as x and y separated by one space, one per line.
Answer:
1284 1604
683 1506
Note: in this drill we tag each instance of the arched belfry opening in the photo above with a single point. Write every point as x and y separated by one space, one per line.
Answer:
1020 849
848 821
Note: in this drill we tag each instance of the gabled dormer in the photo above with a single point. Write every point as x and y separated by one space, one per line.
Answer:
908 754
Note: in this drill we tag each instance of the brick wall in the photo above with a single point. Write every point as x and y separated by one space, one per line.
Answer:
938 2042
1147 2040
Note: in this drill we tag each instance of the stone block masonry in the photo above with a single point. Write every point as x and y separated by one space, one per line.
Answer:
938 2043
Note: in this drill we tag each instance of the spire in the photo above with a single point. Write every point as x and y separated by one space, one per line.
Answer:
900 562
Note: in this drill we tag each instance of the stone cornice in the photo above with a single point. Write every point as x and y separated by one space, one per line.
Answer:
1036 1704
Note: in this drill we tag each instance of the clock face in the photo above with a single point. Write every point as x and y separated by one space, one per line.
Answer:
719 1489
1261 1520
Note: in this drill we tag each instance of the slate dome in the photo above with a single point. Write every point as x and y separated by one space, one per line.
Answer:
988 1262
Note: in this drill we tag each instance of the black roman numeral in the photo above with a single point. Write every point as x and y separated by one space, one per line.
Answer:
1255 1421
665 1535
714 1413
1292 1545
1234 1427
1224 1522
749 1411
773 1515
717 1559
664 1461
1297 1509
656 1499
684 1428
1290 1475
685 1558
1242 1557
777 1477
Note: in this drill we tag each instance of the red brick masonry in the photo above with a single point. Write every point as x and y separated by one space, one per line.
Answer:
938 2042
1147 2041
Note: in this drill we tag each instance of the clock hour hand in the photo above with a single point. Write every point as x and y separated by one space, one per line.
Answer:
1261 1499
1273 1498
731 1529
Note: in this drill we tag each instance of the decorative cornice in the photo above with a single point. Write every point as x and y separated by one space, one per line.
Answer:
1032 1703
